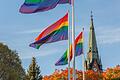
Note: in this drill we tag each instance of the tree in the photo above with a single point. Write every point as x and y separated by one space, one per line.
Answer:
108 74
92 75
34 71
10 64
112 73
63 75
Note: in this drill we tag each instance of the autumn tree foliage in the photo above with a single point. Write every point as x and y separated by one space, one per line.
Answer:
112 73
92 75
108 74
63 75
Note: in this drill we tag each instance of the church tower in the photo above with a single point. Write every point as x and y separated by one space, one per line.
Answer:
93 61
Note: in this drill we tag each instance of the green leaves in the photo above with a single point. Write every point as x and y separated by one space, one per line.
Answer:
10 64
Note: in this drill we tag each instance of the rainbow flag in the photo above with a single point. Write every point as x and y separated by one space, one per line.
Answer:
64 59
78 51
56 32
32 6
79 44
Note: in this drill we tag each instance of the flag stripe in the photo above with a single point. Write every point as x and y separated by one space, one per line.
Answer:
33 1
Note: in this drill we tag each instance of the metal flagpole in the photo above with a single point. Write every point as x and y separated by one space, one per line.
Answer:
68 47
73 39
83 57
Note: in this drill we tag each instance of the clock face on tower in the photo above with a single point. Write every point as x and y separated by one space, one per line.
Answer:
95 69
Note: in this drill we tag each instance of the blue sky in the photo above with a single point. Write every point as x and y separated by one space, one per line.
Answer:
19 30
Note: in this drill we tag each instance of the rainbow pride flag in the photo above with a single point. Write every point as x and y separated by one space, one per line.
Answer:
78 51
64 59
56 32
32 6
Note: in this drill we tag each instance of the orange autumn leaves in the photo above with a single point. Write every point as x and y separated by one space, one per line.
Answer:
112 73
108 74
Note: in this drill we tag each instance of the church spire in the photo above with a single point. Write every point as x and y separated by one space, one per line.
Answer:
92 37
93 61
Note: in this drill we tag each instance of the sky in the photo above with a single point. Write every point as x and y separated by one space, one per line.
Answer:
19 30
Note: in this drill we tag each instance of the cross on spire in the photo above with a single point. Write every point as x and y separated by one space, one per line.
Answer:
91 15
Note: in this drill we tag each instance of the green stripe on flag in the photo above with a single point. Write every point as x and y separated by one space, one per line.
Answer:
33 1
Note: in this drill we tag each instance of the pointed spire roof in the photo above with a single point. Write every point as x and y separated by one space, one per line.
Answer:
93 59
92 37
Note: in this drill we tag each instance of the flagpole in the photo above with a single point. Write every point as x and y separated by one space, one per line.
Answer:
83 57
73 39
68 47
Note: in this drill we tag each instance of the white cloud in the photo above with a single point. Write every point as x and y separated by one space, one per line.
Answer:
44 50
38 53
108 35
29 31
